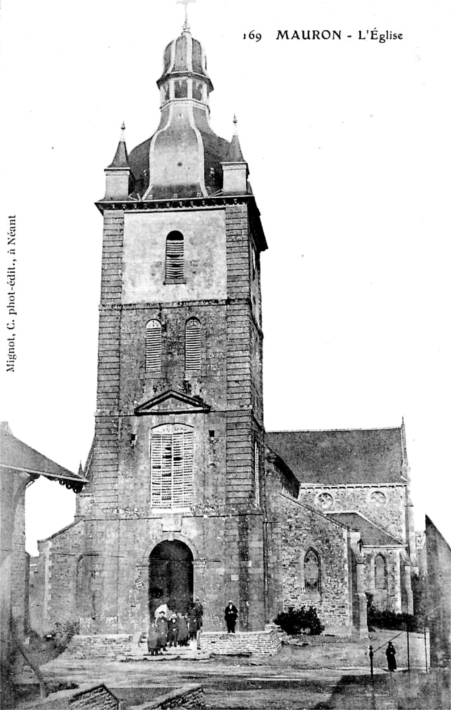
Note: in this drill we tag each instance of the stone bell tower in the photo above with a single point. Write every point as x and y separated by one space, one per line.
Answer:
174 506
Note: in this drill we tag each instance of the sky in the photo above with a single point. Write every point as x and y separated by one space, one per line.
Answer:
349 148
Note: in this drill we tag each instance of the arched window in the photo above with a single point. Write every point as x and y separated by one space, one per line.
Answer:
380 572
192 344
174 271
171 466
311 572
197 91
153 346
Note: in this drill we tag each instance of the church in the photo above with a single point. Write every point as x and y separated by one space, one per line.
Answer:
187 496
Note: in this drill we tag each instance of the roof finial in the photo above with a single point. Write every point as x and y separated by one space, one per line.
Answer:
235 155
120 159
186 27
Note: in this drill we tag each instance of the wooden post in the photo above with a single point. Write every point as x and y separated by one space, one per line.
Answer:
408 647
425 644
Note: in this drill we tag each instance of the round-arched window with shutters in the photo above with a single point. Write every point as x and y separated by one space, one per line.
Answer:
192 345
175 256
153 346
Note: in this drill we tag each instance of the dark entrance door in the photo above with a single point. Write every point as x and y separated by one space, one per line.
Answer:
171 576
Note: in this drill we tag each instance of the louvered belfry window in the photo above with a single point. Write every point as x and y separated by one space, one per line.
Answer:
171 462
192 345
153 346
174 272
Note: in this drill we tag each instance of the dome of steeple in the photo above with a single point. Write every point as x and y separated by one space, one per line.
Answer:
184 157
184 55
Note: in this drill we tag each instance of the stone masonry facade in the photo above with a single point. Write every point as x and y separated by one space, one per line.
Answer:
187 496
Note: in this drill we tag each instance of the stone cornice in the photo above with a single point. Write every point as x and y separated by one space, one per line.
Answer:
316 486
189 204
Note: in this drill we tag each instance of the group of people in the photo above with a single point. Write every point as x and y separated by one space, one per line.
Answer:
177 628
174 628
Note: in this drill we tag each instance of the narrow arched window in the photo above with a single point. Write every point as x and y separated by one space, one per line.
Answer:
153 346
380 572
192 345
311 572
174 265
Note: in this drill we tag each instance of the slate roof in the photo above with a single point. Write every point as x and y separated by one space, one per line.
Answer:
348 456
215 151
17 456
371 534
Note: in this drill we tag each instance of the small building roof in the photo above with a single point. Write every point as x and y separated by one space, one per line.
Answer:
342 456
17 456
371 534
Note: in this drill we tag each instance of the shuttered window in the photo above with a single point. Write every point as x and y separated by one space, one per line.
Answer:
257 474
171 461
174 272
192 345
153 346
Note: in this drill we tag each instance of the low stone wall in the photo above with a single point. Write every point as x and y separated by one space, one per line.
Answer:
99 646
101 697
188 696
265 643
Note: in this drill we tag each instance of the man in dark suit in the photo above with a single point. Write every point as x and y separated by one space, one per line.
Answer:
230 616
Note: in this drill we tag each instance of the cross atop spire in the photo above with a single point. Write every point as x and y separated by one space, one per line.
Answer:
185 3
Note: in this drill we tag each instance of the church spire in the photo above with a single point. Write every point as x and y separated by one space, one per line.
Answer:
120 159
235 153
186 27
235 169
118 173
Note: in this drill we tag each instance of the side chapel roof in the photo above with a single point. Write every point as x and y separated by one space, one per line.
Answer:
348 456
370 533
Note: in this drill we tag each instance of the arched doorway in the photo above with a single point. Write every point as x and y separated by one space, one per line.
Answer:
171 576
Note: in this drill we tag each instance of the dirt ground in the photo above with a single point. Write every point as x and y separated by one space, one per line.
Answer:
275 683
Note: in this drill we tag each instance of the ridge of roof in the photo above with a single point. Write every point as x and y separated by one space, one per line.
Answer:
338 456
324 431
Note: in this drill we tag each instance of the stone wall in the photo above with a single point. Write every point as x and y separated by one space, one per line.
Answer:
54 589
224 526
265 643
188 696
293 530
19 570
99 646
13 570
306 530
101 697
393 595
438 554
